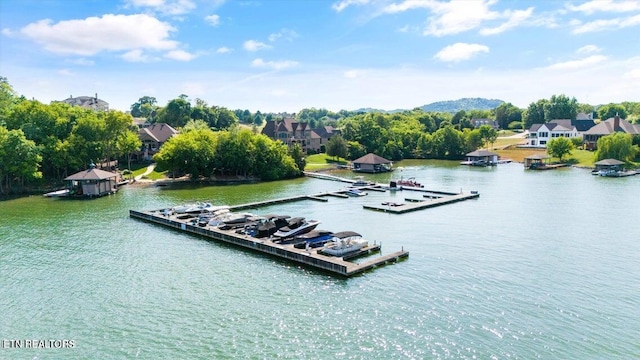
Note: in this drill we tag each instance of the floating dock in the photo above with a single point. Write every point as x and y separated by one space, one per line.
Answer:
312 258
419 204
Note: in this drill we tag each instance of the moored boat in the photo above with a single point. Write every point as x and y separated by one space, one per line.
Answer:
355 192
296 228
344 243
411 182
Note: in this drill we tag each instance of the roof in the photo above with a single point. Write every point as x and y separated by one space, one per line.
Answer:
560 125
583 125
371 158
535 127
607 127
537 156
481 153
161 131
144 134
583 116
91 174
610 162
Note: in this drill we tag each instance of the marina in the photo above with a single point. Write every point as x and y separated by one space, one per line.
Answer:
308 257
288 243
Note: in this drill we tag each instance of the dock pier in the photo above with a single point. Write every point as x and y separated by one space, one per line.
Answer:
313 258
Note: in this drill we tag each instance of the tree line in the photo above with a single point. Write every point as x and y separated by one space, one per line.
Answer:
201 152
42 144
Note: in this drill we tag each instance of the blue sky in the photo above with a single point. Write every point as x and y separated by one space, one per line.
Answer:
286 55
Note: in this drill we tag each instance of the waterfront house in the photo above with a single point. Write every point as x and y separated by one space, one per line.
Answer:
372 163
479 122
540 134
583 122
87 102
92 183
481 158
152 137
608 127
290 131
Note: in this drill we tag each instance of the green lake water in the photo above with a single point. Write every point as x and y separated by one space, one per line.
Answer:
543 265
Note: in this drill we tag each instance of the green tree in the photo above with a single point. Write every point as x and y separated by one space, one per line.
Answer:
144 107
128 143
176 113
356 150
488 134
448 143
616 146
298 157
560 107
559 147
506 113
337 147
535 113
19 159
610 110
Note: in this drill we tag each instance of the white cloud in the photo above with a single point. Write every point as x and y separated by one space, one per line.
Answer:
605 25
515 18
213 20
7 32
65 72
275 65
578 64
460 51
253 45
343 4
81 61
595 6
180 55
135 55
168 7
588 49
285 34
223 50
96 34
352 74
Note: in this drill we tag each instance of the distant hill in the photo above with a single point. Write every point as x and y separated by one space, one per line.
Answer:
453 106
450 106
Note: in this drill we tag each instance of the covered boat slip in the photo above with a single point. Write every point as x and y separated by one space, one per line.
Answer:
312 258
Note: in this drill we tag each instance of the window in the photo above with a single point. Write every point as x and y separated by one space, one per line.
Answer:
543 142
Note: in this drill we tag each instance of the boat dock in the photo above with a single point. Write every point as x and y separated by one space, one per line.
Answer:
312 258
418 204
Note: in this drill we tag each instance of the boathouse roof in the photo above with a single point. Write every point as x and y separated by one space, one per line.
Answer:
609 162
537 156
371 158
481 153
91 174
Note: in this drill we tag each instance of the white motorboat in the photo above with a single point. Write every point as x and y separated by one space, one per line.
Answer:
355 192
343 243
297 229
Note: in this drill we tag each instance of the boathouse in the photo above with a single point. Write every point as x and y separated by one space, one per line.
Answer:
537 161
92 183
481 158
372 163
609 165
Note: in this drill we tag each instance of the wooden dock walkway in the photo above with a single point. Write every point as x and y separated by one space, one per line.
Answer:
419 204
312 258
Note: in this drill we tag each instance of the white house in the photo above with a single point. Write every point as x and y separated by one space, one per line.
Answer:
540 134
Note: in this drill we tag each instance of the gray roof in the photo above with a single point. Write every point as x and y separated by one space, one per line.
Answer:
371 158
538 156
608 127
609 162
480 153
91 174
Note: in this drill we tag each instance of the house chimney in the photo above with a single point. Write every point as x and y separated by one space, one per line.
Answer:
616 122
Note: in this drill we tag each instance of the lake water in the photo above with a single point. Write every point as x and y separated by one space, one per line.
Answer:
543 265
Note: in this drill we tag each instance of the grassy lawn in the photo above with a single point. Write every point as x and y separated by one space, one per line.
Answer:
322 161
577 157
139 169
